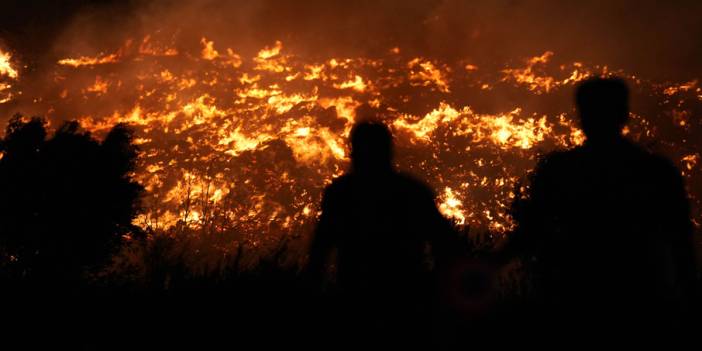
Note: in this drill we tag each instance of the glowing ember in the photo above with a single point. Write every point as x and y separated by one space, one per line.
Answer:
8 71
6 68
88 61
451 206
538 82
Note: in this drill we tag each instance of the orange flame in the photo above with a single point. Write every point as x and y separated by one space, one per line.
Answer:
253 141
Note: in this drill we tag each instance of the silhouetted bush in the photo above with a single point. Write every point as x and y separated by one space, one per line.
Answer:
67 200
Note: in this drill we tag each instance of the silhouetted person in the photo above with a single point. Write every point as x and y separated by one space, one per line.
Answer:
607 225
380 222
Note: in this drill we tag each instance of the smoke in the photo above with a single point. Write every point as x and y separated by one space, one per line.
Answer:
659 40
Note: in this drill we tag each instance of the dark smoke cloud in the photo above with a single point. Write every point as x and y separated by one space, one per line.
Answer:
657 39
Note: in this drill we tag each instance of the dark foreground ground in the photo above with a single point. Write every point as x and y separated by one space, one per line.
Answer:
269 311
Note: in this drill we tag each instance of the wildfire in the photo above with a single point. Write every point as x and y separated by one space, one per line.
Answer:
89 61
248 144
424 73
450 206
7 70
533 76
677 88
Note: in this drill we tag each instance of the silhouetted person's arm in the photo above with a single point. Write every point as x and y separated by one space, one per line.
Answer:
534 215
677 223
445 241
324 239
446 245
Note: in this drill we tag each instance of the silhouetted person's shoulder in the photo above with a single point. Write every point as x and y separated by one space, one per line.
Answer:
335 196
556 160
625 155
414 186
338 187
653 161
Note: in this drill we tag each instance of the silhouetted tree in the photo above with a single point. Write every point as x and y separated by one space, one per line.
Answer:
66 201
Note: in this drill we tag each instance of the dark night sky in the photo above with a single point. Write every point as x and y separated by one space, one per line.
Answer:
658 39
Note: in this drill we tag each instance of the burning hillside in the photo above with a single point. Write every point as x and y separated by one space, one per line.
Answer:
246 144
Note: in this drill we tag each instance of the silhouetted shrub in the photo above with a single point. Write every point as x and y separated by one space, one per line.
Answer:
67 200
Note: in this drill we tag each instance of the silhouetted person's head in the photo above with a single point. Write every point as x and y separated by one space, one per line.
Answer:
371 147
603 105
